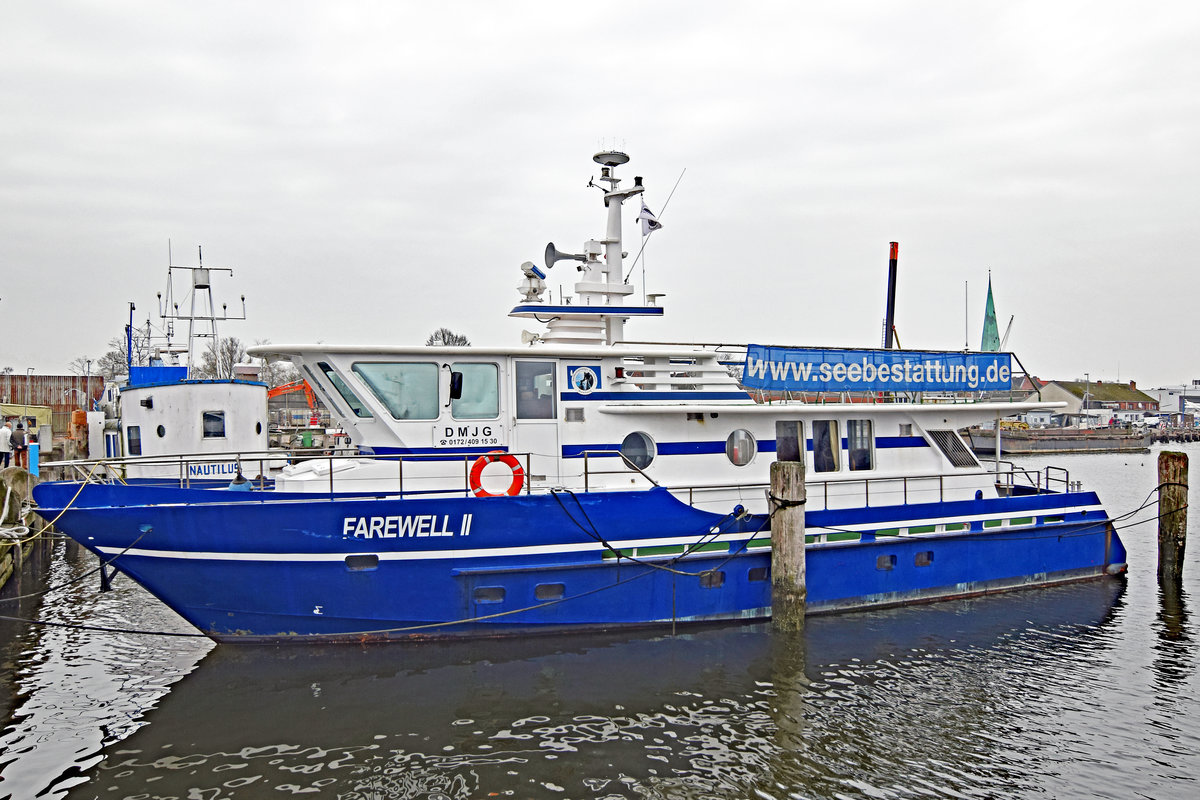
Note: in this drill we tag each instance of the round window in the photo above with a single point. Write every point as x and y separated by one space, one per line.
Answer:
740 447
161 431
639 448
257 427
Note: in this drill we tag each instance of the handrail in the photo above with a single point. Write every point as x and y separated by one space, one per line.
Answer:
871 486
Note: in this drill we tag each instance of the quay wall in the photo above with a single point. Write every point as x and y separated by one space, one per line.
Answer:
20 529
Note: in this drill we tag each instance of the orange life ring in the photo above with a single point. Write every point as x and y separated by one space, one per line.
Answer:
518 473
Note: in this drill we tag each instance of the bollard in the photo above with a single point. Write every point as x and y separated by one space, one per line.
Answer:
1172 513
789 591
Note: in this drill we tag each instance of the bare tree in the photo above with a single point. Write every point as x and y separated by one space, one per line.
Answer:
114 362
445 336
221 356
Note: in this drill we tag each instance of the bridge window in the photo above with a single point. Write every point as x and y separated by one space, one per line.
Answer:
480 392
860 441
827 445
214 424
347 394
407 390
639 448
535 390
740 447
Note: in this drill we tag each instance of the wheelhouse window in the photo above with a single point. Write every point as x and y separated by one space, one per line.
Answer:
827 445
407 390
345 391
133 440
860 441
214 424
535 389
480 392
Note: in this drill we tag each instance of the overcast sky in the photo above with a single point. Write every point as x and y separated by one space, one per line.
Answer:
373 171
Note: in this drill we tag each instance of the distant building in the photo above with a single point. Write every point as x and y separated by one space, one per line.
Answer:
1178 400
1100 402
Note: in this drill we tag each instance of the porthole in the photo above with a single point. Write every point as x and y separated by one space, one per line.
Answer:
161 431
257 428
740 447
639 449
362 563
489 594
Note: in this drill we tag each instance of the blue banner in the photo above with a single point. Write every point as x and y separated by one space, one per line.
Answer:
819 370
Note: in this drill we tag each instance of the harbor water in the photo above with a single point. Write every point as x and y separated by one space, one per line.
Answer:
1084 690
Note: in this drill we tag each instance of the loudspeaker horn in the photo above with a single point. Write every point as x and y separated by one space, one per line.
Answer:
554 255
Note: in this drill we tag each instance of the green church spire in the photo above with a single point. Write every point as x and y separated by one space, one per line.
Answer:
991 333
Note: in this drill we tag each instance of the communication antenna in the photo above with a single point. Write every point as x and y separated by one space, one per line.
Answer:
201 294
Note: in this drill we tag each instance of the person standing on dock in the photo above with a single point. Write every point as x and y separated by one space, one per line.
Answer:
19 447
5 444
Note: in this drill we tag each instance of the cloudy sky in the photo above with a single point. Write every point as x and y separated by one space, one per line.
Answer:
374 170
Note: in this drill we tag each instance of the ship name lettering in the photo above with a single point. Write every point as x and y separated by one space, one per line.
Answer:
404 526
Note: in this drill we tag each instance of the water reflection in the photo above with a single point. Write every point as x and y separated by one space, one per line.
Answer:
910 702
1174 656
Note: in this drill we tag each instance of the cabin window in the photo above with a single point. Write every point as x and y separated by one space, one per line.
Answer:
826 445
535 390
407 390
953 448
480 392
549 591
713 579
161 430
789 440
133 438
758 574
740 447
639 449
860 441
214 424
906 429
347 394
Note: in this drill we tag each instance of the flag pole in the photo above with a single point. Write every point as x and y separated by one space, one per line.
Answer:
645 239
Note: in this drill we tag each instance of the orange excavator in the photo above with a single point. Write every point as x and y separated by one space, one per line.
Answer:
298 386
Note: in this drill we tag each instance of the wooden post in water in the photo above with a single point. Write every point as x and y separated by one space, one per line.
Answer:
1172 513
789 590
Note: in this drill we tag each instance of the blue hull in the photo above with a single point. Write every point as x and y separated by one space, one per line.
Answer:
264 566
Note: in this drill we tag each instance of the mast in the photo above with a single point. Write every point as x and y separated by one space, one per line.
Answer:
597 313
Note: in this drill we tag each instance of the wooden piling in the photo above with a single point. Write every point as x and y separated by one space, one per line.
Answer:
789 590
1172 513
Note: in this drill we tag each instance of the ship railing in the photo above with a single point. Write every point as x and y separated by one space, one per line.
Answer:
589 471
895 490
1012 479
